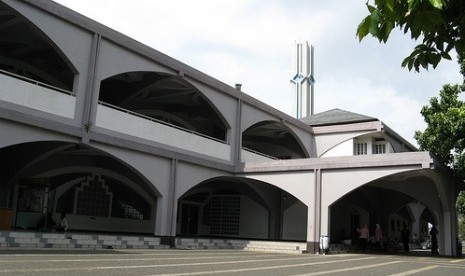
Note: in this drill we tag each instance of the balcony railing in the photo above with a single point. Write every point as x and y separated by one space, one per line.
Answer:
36 82
162 122
260 153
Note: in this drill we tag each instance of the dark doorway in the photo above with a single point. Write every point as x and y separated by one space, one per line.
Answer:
355 224
190 218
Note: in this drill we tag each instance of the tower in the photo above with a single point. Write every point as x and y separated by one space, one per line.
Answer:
303 80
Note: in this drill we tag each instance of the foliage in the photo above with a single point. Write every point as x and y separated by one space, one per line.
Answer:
461 226
461 205
445 133
440 24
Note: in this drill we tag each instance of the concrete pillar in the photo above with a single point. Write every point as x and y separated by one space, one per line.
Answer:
167 209
314 216
416 209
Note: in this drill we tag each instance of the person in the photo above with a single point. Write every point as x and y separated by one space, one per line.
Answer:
364 235
405 238
434 240
63 223
378 237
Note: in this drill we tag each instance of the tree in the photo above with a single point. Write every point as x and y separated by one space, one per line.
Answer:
444 136
445 132
440 24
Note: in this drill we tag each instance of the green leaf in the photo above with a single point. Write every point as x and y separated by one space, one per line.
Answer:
449 47
410 63
362 29
412 4
445 56
390 5
373 25
405 61
438 4
385 31
371 9
425 59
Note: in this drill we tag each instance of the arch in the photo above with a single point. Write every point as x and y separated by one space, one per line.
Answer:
58 171
241 208
28 52
168 98
275 139
343 145
392 201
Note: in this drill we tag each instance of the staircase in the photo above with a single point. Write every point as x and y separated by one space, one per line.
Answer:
250 245
77 240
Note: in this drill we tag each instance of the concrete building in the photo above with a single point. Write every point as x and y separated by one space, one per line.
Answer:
125 139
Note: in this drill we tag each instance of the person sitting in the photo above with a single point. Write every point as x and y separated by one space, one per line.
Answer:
63 227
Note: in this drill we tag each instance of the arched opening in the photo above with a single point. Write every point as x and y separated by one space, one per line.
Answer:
401 204
25 51
230 207
41 180
273 139
166 98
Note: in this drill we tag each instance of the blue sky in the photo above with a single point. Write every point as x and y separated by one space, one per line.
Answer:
251 42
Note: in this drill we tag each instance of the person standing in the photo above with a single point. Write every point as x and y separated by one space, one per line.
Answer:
364 235
378 237
434 240
405 238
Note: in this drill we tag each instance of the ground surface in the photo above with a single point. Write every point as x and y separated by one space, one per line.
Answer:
218 262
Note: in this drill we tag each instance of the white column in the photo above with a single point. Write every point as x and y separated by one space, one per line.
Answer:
303 80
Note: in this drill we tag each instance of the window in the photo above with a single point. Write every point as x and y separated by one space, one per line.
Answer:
131 212
225 215
379 148
103 196
361 149
93 198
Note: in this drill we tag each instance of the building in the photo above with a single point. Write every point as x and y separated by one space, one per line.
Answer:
123 138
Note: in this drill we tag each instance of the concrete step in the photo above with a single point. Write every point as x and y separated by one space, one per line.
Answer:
77 240
250 245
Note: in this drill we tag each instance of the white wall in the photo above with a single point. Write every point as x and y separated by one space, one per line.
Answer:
343 149
119 121
254 219
295 222
37 97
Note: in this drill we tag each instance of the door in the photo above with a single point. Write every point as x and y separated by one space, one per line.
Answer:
190 219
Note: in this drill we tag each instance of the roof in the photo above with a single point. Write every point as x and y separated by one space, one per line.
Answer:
336 117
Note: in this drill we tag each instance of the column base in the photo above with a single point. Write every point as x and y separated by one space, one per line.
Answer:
313 247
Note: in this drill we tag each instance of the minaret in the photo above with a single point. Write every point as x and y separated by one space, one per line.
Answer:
303 80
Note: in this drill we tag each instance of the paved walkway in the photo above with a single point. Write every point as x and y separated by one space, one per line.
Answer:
217 262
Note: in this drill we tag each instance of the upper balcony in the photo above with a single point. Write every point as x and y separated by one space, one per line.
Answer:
34 94
138 125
